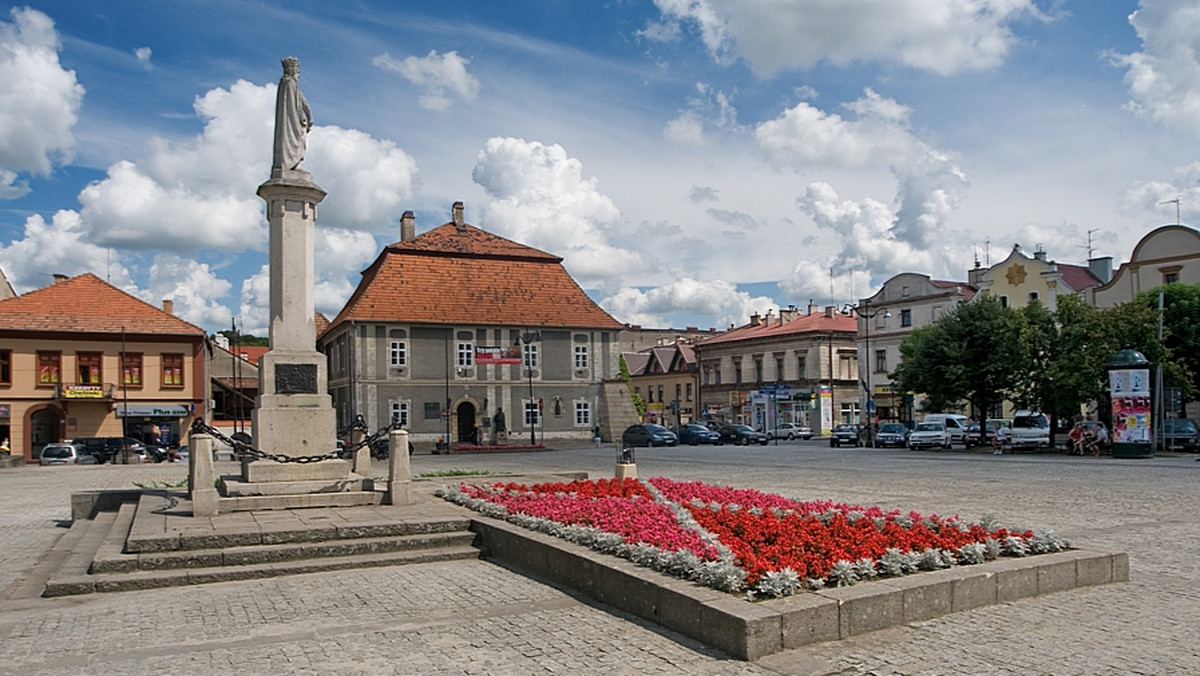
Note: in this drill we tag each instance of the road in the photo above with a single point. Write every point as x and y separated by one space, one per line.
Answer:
479 618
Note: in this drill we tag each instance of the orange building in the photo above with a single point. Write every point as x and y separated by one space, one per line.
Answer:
81 358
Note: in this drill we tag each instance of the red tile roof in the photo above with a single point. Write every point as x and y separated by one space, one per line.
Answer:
816 322
968 291
464 275
252 353
1077 277
88 304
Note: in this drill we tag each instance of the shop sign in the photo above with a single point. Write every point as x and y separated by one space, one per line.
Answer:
154 410
83 391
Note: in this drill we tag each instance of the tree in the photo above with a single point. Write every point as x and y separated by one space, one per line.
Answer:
974 352
1181 334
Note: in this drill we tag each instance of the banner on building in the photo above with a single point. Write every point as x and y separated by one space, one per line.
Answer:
154 410
510 354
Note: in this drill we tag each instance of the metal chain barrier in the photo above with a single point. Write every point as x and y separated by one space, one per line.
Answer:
242 449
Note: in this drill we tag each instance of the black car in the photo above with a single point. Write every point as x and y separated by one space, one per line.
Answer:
104 449
891 434
1181 433
741 435
648 434
694 434
847 434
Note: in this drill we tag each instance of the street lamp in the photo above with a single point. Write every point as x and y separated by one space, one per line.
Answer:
527 357
864 310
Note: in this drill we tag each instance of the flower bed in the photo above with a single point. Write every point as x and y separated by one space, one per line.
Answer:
745 540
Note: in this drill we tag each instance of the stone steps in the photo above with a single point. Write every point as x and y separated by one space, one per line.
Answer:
148 544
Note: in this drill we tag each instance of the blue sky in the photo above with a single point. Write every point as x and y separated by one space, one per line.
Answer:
692 161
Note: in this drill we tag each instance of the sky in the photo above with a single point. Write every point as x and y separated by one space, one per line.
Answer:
692 161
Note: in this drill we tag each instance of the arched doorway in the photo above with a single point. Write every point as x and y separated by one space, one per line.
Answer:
465 414
45 427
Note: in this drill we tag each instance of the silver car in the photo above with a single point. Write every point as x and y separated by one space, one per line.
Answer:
65 454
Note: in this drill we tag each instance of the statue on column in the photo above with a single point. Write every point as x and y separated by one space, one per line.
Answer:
293 120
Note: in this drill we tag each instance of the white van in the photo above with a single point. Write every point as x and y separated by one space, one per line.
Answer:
956 425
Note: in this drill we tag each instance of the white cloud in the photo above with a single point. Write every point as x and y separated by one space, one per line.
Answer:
542 200
39 101
708 108
806 136
437 75
199 192
714 298
942 36
143 55
343 255
192 287
1146 201
256 303
1164 78
685 130
58 247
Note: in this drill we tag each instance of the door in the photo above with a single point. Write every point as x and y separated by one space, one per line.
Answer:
467 428
44 427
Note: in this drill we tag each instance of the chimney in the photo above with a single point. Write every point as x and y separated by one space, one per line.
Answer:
830 311
59 278
755 320
812 307
1102 268
789 314
408 226
1040 254
457 212
168 306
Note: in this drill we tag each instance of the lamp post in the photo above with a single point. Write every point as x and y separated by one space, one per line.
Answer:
527 357
863 310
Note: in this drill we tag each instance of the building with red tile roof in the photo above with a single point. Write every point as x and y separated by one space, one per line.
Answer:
667 379
794 367
81 358
450 327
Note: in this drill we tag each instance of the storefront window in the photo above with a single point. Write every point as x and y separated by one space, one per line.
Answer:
88 365
49 364
172 370
131 369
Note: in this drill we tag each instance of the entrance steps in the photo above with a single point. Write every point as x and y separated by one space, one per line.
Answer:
156 542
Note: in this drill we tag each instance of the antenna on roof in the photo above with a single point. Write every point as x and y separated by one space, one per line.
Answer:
987 252
1176 203
1090 249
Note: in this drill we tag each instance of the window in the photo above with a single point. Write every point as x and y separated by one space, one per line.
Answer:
678 392
801 368
716 376
1033 296
400 412
131 369
650 394
689 392
5 367
529 355
581 357
737 373
1003 301
466 354
533 414
583 414
758 370
172 370
398 353
906 318
1170 277
778 368
48 367
88 366
881 361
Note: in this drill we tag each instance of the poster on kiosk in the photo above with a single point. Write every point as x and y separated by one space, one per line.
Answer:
1130 405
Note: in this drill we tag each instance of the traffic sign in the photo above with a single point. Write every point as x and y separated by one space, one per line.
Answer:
775 388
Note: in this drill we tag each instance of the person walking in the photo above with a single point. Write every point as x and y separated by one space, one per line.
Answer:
998 440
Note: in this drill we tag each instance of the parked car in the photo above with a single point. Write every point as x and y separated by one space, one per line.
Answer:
694 434
789 431
1181 433
65 454
104 449
891 434
971 438
929 435
1030 429
648 434
741 435
848 434
956 425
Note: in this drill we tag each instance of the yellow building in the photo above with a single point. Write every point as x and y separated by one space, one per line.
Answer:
1019 279
81 358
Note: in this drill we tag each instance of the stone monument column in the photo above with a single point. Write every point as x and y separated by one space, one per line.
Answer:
294 414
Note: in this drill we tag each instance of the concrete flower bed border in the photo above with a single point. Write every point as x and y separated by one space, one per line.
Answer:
750 630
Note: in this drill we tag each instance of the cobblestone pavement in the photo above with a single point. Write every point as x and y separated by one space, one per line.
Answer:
475 617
